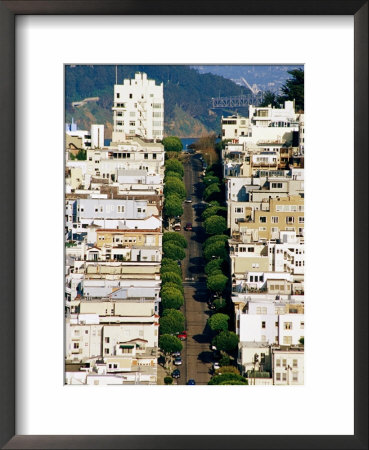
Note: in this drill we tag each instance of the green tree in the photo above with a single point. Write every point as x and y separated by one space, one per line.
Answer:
269 98
173 185
172 321
170 173
173 206
172 144
302 340
169 344
217 249
168 380
211 192
170 284
213 267
218 322
227 378
172 278
214 211
217 282
71 156
215 225
219 303
173 165
171 298
226 341
214 239
173 251
210 179
178 239
82 155
170 266
293 89
225 360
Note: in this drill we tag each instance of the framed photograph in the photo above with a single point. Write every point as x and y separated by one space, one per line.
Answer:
73 331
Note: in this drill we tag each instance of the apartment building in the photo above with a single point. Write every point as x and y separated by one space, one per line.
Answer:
138 109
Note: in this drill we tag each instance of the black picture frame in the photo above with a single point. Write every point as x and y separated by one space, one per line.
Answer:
8 12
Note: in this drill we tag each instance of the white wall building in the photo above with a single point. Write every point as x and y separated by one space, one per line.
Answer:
138 109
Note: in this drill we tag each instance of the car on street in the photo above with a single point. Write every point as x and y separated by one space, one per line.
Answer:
177 226
216 366
188 200
176 373
175 354
212 306
188 226
178 361
182 336
191 382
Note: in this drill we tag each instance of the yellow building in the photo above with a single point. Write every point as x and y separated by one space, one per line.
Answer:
284 214
128 238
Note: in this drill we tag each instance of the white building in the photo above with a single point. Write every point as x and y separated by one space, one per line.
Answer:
97 136
138 109
288 366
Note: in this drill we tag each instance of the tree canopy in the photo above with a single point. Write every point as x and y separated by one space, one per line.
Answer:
228 378
173 205
173 251
293 89
226 341
173 165
170 266
172 144
171 298
174 185
214 211
217 249
218 322
211 192
217 282
178 239
171 322
170 344
213 267
215 225
172 277
171 284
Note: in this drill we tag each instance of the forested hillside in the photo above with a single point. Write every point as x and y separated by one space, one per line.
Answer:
186 95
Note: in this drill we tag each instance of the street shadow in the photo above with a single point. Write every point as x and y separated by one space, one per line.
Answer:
201 338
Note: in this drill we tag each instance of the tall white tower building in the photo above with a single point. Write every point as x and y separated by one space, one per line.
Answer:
138 109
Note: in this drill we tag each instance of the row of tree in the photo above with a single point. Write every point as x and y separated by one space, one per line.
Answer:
172 321
174 188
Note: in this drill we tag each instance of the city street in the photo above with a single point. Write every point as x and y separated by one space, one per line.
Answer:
196 354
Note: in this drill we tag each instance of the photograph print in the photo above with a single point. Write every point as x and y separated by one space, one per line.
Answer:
184 225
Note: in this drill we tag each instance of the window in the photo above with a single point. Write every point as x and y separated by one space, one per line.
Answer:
294 363
86 331
262 228
276 185
146 156
301 219
284 362
287 325
287 340
130 95
154 156
132 123
106 351
238 210
250 249
278 363
302 324
118 95
262 219
290 219
284 376
276 324
295 376
275 219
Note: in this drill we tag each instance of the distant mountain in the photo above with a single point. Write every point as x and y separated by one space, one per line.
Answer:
265 77
187 94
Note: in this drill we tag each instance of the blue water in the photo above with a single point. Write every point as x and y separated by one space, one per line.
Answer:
187 141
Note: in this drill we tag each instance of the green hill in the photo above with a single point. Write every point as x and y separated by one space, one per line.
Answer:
187 95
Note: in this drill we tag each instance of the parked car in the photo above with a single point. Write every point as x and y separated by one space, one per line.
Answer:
175 354
188 200
177 226
188 226
178 361
216 366
191 382
182 336
176 373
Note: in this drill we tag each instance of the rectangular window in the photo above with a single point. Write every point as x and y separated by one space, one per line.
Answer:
284 362
294 363
278 376
302 324
238 210
263 324
287 340
278 363
132 123
290 219
262 219
275 219
250 249
295 376
146 156
301 219
118 95
287 325
284 376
